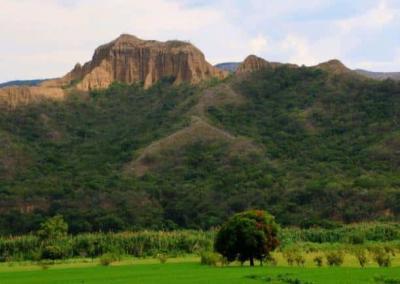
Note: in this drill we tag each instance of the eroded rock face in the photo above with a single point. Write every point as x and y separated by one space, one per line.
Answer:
254 63
129 59
12 97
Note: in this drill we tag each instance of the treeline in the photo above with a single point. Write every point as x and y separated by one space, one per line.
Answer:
153 243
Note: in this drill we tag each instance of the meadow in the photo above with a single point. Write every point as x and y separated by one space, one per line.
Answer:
189 270
360 253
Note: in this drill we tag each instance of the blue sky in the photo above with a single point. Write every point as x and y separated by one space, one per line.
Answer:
45 38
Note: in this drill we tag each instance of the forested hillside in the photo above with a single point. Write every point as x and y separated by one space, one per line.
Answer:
311 147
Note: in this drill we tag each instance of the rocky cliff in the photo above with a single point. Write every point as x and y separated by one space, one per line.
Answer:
129 59
12 97
254 63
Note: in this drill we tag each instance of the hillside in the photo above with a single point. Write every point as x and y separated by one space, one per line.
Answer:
379 75
149 135
21 83
307 144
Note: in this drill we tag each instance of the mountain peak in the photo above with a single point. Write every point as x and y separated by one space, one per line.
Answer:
252 63
334 66
129 59
255 63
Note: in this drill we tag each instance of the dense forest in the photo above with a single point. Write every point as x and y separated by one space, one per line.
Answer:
312 147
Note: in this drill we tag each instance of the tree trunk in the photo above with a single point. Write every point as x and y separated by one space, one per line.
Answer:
251 261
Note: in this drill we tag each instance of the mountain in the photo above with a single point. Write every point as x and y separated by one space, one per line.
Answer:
129 59
312 145
334 66
21 83
250 64
228 66
126 59
254 63
379 75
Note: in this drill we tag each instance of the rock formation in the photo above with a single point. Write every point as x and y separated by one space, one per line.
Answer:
334 66
254 63
12 97
129 59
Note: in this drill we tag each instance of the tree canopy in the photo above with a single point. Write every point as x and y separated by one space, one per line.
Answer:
247 236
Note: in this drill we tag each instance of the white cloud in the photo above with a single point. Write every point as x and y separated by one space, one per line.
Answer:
45 38
31 28
258 44
375 18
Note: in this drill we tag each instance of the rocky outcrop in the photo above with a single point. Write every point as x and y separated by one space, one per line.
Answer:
334 66
12 97
129 59
254 63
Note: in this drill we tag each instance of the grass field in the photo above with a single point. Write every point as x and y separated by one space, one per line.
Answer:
188 270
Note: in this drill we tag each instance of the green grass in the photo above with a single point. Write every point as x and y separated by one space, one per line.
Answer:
186 270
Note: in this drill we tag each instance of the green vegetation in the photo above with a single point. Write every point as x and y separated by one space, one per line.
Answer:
325 152
193 272
173 243
246 236
140 244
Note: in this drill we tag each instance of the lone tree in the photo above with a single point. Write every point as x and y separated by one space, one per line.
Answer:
53 228
247 236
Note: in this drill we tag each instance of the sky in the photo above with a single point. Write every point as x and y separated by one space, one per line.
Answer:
46 38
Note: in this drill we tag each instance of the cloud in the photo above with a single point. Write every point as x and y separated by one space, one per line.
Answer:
299 50
31 28
45 38
258 44
375 18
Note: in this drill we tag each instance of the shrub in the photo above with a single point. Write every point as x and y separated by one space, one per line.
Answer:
210 258
318 260
44 265
361 256
300 259
53 252
162 257
382 258
293 256
53 228
270 260
108 258
334 258
384 280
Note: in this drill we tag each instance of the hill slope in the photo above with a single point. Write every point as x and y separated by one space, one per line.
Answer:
308 144
21 83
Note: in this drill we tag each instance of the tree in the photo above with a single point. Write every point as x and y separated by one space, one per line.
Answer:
247 236
53 228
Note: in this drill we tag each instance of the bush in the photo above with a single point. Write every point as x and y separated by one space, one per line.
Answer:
53 252
210 258
294 256
361 256
108 258
270 260
384 280
318 260
53 228
162 258
300 259
382 258
334 258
